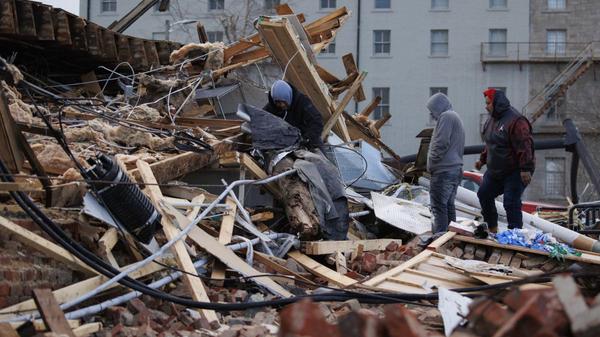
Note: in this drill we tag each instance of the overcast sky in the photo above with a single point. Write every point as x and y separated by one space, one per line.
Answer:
68 5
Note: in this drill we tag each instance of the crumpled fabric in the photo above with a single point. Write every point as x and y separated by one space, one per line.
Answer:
536 240
327 189
270 132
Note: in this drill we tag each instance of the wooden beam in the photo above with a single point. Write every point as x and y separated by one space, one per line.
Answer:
51 313
270 262
42 245
371 107
224 254
330 247
75 290
87 329
130 17
225 234
10 152
350 66
194 284
106 244
259 173
176 166
320 270
202 36
340 108
363 133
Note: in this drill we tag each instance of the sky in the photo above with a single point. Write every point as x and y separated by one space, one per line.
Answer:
68 5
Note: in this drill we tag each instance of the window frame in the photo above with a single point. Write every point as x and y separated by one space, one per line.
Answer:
493 6
216 7
382 42
555 6
432 43
383 108
435 8
389 5
327 50
329 4
107 3
217 32
550 186
556 48
496 45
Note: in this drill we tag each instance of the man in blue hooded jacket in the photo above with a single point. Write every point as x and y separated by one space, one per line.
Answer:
294 107
444 161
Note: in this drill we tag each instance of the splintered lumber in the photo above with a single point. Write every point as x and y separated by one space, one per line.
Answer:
340 108
371 107
586 257
75 290
442 240
299 206
330 247
271 263
176 166
286 48
51 313
194 284
10 152
224 254
358 131
259 173
350 66
106 244
40 244
225 234
87 329
321 271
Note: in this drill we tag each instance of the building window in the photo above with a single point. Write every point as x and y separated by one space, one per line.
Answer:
381 42
440 4
216 36
328 4
159 36
383 109
109 6
433 91
556 42
439 43
157 7
553 114
557 4
383 4
330 49
271 4
498 4
216 5
555 177
498 42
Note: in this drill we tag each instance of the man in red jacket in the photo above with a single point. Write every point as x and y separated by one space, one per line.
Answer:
510 159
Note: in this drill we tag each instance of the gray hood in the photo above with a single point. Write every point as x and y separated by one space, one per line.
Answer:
437 104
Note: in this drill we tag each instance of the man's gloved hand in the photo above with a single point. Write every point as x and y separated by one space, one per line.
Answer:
479 165
526 177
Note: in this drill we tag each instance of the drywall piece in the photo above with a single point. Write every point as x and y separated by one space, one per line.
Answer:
402 214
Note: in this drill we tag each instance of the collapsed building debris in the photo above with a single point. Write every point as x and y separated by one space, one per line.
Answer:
167 212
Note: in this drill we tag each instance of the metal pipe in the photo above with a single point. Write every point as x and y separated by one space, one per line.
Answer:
564 234
168 245
575 142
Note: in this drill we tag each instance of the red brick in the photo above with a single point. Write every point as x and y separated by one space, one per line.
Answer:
401 322
4 289
486 317
360 323
305 319
392 246
368 262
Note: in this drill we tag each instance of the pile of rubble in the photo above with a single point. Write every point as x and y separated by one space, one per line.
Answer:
236 230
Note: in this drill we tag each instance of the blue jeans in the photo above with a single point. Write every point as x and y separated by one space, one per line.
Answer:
512 187
442 193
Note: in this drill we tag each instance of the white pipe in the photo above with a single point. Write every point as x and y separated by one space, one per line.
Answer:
564 234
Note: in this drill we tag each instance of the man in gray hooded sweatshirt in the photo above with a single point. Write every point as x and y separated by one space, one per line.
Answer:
444 160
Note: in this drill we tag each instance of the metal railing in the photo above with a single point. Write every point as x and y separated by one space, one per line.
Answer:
559 84
523 52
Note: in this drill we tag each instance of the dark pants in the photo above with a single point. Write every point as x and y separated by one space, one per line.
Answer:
512 187
442 193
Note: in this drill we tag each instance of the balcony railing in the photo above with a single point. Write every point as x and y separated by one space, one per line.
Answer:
533 52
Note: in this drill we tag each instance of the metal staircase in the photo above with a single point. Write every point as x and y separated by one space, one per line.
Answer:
558 87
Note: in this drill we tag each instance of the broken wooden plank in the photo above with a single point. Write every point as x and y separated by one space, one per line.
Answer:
259 173
285 46
350 66
586 257
439 242
374 281
224 254
505 257
225 234
177 166
321 271
75 290
88 329
342 105
330 247
40 244
106 243
193 283
51 313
